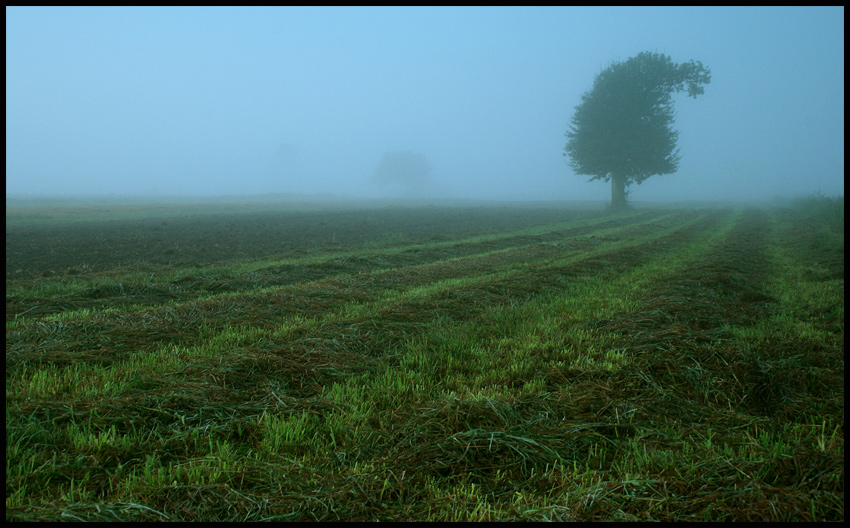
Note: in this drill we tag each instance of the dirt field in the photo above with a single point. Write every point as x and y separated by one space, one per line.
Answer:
71 248
570 364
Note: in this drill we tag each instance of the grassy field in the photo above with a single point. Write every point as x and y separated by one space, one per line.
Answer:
480 364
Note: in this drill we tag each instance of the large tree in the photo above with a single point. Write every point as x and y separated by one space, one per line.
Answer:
622 129
408 169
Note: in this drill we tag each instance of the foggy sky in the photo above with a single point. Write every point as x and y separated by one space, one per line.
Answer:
240 101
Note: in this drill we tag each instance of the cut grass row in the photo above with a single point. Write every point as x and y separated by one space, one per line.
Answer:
42 297
517 389
133 329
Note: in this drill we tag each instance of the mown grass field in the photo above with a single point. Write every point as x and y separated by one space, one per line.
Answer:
649 365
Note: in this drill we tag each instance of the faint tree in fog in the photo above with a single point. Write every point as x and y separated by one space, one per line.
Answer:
622 129
287 166
409 169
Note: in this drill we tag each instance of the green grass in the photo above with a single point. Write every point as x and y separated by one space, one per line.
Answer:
683 365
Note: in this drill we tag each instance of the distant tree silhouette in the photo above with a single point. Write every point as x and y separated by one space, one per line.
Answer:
622 129
409 169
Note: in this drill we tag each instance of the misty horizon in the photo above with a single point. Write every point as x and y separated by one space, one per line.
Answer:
210 102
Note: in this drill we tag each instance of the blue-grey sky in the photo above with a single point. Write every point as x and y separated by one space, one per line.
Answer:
240 101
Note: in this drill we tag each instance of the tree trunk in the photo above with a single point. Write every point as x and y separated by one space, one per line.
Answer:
618 192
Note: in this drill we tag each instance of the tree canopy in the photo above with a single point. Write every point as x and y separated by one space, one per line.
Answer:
409 169
622 129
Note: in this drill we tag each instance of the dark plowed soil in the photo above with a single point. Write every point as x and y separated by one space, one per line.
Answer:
96 246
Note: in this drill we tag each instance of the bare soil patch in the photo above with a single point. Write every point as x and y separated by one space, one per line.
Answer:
73 248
